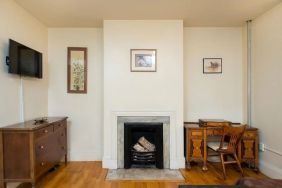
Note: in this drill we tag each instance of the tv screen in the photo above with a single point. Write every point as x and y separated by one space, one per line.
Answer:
24 60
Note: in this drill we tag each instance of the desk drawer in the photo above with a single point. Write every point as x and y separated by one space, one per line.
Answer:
197 134
249 135
209 132
218 132
214 132
43 132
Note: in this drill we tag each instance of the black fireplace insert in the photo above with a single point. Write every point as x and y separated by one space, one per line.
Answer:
152 133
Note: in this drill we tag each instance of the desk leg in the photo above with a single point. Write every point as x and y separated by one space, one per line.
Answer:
256 151
188 150
239 151
188 165
205 168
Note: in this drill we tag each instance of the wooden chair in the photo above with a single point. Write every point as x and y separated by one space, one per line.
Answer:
233 135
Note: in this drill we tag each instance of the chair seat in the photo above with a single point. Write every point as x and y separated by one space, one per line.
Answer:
215 145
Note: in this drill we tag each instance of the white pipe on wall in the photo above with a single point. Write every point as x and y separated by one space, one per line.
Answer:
249 72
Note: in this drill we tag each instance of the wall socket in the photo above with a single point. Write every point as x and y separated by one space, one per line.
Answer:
262 147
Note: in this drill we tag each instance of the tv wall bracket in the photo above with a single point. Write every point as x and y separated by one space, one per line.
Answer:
7 60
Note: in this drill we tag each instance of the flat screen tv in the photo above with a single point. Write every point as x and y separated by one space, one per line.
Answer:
23 60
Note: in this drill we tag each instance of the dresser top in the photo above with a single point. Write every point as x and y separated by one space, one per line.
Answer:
32 125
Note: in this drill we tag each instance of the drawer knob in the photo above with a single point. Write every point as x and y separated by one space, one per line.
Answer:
42 163
62 134
41 147
45 131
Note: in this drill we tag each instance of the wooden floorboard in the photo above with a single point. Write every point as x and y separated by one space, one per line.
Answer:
92 175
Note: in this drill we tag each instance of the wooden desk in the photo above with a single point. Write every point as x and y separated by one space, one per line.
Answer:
196 139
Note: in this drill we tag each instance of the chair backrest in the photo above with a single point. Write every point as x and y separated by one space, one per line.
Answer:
234 135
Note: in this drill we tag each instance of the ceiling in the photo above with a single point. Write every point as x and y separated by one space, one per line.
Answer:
91 13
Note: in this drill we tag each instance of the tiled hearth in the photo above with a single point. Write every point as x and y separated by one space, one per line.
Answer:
138 174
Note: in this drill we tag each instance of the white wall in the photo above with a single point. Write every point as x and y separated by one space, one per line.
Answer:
217 96
84 110
126 91
19 25
267 87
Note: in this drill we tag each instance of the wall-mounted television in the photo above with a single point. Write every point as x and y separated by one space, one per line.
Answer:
23 60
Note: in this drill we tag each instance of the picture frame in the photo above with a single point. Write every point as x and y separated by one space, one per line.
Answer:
77 70
212 65
143 60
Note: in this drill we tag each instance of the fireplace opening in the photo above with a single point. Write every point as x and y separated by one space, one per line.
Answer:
143 145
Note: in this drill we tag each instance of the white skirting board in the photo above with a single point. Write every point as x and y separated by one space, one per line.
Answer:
271 170
81 155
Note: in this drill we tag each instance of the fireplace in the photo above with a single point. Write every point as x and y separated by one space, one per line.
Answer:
143 144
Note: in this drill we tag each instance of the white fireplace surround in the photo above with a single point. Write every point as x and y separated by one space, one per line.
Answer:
176 157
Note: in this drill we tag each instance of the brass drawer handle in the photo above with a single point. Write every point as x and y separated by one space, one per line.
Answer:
42 147
42 163
45 131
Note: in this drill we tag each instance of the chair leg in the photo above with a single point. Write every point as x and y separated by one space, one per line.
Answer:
239 164
223 165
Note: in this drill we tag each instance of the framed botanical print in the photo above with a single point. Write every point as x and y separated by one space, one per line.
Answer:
143 60
77 70
212 65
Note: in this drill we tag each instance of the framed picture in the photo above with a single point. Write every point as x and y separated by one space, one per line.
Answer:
77 70
212 65
143 60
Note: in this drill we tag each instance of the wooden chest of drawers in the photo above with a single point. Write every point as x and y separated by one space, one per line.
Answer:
29 150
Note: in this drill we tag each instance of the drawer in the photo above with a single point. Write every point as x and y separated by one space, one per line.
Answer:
197 133
41 149
62 134
218 132
41 167
209 132
59 125
45 152
214 132
250 135
62 137
43 132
